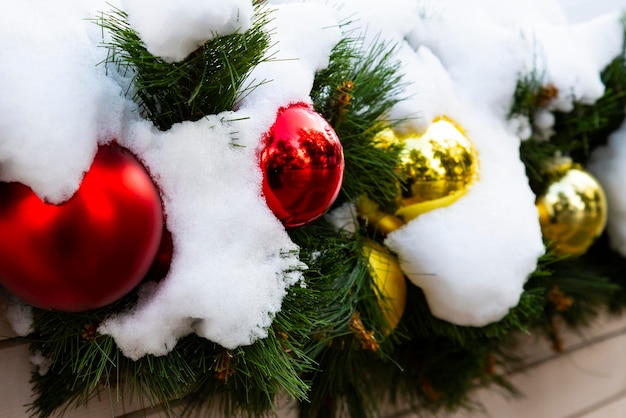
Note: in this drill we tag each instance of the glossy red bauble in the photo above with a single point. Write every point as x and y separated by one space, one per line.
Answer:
88 251
302 164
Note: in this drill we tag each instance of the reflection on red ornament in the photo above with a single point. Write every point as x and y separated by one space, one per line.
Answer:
89 251
302 163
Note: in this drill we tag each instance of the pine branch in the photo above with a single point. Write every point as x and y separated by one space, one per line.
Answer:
589 126
84 363
210 80
355 93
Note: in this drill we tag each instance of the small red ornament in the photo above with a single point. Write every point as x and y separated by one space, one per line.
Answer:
302 164
88 251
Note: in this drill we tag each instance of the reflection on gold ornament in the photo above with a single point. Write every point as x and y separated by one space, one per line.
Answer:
388 279
573 210
436 167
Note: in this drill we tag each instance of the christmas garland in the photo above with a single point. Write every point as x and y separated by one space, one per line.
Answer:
361 186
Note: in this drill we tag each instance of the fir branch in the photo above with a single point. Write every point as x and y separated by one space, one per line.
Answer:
210 80
246 380
536 156
589 126
345 289
530 94
355 92
197 371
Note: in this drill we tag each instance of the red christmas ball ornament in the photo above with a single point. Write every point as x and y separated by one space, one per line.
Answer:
302 164
88 251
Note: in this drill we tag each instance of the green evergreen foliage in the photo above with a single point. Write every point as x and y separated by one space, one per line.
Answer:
354 93
207 82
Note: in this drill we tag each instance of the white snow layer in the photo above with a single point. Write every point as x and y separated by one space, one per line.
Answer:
608 164
174 29
288 76
225 281
233 261
473 257
18 314
56 102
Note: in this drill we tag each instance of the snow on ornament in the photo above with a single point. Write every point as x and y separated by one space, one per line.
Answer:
88 251
472 257
466 256
302 164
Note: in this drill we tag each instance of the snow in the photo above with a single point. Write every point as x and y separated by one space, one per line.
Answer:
294 61
575 55
41 363
233 261
582 10
56 103
18 314
608 165
173 29
224 282
472 258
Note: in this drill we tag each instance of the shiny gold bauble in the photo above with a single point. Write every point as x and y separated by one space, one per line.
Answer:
388 279
436 167
573 210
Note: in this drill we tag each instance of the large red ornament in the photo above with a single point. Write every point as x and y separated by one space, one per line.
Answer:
89 251
302 164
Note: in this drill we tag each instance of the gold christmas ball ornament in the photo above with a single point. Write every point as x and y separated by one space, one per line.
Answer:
388 280
436 167
573 209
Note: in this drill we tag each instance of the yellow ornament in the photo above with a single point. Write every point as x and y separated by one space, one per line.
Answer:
436 167
388 279
573 210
